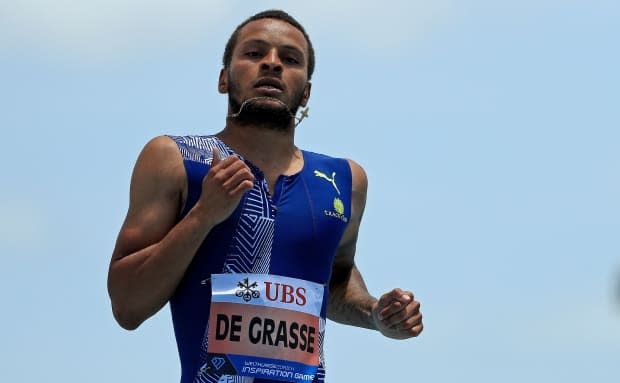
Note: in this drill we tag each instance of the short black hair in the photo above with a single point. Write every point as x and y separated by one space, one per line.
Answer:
269 14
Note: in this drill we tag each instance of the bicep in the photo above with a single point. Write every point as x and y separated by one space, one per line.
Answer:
155 198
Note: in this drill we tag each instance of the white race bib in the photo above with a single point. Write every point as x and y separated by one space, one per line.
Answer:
264 326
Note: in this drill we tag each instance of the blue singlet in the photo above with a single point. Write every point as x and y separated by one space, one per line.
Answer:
293 231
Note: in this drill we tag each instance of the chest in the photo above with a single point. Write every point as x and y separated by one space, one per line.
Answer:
309 218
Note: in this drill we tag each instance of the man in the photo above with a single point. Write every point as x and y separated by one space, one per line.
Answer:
251 239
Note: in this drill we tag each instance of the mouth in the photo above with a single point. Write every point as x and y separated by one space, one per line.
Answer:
270 85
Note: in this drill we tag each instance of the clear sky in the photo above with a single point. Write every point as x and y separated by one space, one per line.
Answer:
490 132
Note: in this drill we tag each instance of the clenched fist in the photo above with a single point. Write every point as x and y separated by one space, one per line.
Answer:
223 186
397 315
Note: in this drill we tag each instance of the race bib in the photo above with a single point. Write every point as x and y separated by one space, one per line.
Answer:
264 326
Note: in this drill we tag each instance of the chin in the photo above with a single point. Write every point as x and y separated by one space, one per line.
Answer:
267 111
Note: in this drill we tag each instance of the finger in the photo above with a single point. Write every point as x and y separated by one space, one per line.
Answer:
402 315
402 296
415 330
410 322
382 307
390 311
387 298
243 176
243 187
233 161
227 168
392 302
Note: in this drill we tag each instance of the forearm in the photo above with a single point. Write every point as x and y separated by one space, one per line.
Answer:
141 282
349 300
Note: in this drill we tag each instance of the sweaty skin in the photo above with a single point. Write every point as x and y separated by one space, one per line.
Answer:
153 250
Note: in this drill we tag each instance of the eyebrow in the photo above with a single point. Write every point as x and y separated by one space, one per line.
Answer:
265 43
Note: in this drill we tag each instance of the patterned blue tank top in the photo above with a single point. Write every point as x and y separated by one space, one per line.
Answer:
292 231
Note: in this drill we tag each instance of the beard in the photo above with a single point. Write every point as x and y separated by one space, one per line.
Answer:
265 111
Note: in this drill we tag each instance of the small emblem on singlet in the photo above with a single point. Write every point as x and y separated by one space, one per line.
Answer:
331 180
247 290
338 211
218 362
338 205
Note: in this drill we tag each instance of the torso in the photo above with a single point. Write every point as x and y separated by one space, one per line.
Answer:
287 225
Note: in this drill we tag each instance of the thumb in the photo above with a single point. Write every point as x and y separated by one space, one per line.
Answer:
384 300
216 156
394 295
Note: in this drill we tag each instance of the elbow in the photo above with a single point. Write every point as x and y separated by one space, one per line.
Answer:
126 318
124 310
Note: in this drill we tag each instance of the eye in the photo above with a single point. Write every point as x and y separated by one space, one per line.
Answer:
252 54
291 60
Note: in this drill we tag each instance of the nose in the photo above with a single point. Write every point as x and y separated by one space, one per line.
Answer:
271 62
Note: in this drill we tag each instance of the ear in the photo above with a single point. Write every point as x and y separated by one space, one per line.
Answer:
306 96
222 84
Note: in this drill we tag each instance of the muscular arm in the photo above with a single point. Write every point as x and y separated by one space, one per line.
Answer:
152 251
396 313
349 300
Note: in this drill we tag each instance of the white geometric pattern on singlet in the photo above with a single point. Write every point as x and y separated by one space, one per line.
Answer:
200 148
249 252
250 248
251 245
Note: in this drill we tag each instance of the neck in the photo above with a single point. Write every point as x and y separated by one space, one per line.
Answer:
272 150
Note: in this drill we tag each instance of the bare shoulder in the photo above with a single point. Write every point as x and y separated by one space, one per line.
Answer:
158 181
159 174
160 160
156 196
359 180
161 151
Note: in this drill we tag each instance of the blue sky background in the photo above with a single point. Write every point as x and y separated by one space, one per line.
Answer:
489 131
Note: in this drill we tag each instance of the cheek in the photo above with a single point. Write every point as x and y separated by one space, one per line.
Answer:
301 87
241 69
233 83
240 77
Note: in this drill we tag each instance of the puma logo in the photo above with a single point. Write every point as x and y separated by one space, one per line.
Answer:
331 180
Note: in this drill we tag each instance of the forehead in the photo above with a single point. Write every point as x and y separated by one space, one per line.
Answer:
274 32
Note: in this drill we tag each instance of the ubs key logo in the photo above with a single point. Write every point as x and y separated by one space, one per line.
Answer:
247 291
